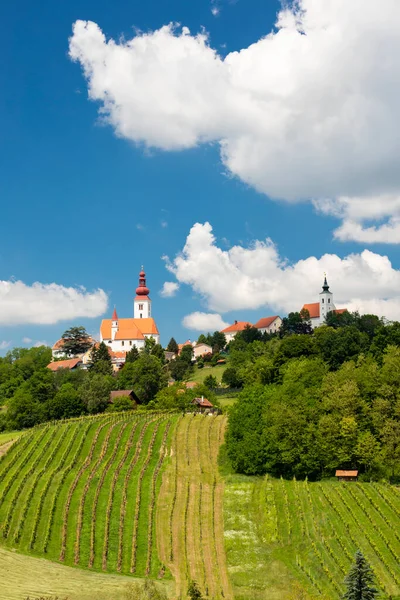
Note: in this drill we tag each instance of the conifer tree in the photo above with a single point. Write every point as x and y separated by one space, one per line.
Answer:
360 580
173 346
132 355
101 360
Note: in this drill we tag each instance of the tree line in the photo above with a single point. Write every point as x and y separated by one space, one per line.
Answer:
316 401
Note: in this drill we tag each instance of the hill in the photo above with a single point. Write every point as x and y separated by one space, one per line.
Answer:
141 494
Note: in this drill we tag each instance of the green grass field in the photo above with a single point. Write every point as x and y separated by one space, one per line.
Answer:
288 539
199 375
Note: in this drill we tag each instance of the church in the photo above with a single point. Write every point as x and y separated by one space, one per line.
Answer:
319 310
120 335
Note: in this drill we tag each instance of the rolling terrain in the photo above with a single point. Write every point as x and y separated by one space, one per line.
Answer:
121 497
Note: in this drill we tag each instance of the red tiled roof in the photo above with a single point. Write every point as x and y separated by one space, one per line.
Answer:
190 385
340 311
60 343
266 322
187 343
71 363
313 309
237 326
202 402
340 473
126 327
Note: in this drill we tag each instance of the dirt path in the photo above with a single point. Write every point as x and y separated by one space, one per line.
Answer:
192 492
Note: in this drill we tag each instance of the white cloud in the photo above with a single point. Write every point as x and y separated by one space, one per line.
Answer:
169 289
308 111
249 278
4 345
201 321
40 343
215 10
46 304
357 213
27 340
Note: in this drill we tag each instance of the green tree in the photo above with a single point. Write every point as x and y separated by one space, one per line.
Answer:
132 355
367 450
202 339
149 344
158 351
173 346
296 322
179 369
95 392
231 378
360 582
76 341
186 354
145 376
250 334
218 340
101 360
66 404
211 382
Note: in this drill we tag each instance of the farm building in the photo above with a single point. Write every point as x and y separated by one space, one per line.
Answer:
203 404
125 394
346 475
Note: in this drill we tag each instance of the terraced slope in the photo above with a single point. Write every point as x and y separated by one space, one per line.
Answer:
282 536
190 508
83 492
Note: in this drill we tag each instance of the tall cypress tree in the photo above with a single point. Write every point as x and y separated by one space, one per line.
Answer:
360 580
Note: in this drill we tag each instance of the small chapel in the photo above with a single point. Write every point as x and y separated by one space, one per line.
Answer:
319 310
120 335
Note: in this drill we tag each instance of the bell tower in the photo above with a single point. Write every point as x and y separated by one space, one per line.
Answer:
325 302
142 302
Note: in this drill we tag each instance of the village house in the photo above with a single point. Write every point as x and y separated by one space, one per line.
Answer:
232 330
201 349
70 363
269 324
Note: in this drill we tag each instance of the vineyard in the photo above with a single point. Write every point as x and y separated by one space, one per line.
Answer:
84 492
131 494
306 534
190 535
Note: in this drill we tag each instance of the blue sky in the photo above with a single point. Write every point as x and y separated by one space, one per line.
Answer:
82 206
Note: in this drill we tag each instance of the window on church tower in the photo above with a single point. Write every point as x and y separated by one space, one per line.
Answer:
140 306
323 300
329 300
123 343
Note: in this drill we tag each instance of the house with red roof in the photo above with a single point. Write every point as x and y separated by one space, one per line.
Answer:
269 324
319 310
232 330
120 335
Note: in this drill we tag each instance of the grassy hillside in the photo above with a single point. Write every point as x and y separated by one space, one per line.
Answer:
23 576
300 538
199 375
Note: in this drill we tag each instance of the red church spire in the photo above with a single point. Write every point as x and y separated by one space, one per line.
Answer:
114 315
142 290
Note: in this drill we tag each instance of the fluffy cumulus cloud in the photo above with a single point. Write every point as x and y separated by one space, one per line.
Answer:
308 111
169 289
200 321
4 345
47 304
258 276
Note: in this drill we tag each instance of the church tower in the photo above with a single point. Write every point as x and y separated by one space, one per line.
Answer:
325 302
142 303
114 324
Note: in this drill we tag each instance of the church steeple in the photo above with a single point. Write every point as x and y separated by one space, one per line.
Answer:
114 324
325 287
142 303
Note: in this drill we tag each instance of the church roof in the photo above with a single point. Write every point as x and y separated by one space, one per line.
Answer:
129 329
313 309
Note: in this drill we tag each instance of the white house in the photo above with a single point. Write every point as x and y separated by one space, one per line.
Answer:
269 324
231 331
122 334
201 349
319 310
